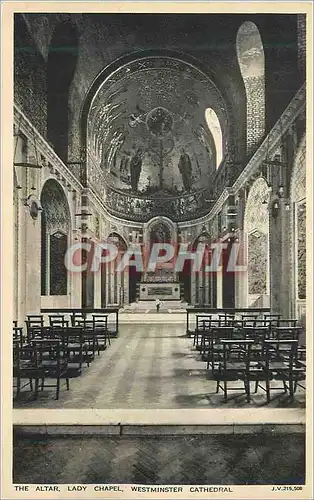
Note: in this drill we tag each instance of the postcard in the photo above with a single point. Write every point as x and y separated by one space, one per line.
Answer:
156 207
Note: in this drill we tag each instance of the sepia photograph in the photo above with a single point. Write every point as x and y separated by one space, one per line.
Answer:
158 316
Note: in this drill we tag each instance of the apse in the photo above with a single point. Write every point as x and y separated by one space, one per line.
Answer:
150 149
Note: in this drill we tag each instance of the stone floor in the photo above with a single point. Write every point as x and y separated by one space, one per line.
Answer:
151 365
218 459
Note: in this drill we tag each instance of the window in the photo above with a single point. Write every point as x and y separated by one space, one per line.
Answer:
55 225
251 60
215 130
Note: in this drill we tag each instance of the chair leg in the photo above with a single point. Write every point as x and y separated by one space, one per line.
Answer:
247 390
36 387
31 384
256 386
291 391
225 390
68 383
267 390
217 387
58 387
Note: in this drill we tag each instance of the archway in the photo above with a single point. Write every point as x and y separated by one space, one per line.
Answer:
55 228
114 284
201 281
298 232
256 242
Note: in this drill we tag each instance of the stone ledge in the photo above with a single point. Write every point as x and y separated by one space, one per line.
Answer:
156 430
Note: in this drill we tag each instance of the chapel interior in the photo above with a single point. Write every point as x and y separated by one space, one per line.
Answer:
184 129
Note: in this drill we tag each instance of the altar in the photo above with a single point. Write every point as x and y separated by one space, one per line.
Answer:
162 291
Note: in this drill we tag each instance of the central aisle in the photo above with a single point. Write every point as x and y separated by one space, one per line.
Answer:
148 366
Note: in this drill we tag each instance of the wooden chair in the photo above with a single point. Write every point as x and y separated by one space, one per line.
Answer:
215 348
235 365
55 365
203 325
78 349
280 363
100 327
26 367
90 337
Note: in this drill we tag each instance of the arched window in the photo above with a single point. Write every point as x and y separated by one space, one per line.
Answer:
214 127
55 226
62 59
256 233
251 60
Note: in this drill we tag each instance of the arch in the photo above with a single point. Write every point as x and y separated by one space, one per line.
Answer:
117 240
200 282
256 241
62 59
118 195
298 230
251 59
55 228
115 285
214 127
170 229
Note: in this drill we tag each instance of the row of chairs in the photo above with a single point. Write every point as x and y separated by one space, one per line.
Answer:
244 360
57 351
259 354
206 323
73 319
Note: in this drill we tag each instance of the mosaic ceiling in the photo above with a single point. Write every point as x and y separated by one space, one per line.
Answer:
147 135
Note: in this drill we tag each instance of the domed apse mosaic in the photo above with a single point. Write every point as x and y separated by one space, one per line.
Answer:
149 148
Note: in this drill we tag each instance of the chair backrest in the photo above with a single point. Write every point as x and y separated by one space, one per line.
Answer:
35 319
289 322
272 316
50 348
204 325
256 333
24 353
33 330
100 319
85 323
58 319
226 319
202 317
237 349
283 349
288 333
18 335
219 333
249 317
76 316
